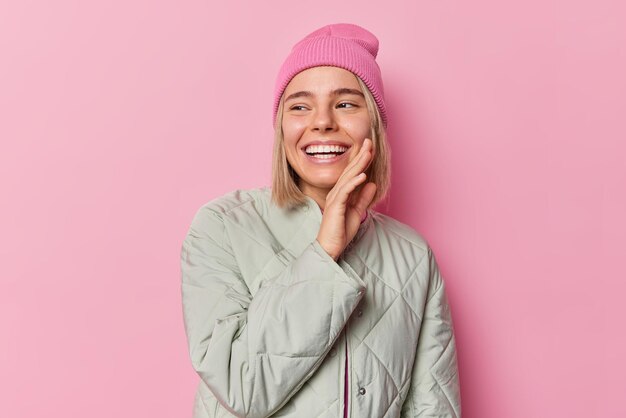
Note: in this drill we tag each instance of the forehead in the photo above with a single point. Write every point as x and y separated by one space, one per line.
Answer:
322 79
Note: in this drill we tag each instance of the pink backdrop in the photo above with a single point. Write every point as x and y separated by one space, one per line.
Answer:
118 119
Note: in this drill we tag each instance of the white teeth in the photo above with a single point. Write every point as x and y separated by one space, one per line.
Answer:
311 149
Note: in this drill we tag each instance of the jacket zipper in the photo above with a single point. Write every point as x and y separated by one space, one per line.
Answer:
346 386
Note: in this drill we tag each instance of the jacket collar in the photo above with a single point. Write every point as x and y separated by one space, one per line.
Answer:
299 226
366 221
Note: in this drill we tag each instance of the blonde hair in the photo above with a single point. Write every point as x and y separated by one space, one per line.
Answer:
285 190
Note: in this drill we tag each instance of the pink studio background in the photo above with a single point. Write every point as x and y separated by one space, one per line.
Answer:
119 119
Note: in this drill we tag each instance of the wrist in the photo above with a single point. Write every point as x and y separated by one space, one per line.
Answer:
330 253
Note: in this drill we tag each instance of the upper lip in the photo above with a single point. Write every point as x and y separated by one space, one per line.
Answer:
328 142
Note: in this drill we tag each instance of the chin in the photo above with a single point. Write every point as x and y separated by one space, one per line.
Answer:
323 184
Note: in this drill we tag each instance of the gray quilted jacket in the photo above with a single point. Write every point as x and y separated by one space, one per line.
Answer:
276 327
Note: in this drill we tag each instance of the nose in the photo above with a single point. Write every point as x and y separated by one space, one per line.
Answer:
323 120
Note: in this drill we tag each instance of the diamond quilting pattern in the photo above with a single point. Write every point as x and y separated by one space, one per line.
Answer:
389 257
377 300
398 324
383 390
391 317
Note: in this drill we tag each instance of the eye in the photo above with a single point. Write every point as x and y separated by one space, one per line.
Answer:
346 103
295 107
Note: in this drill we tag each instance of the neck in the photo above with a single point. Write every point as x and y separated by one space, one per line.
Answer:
316 193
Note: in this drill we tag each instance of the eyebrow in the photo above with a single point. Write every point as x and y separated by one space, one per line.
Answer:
336 92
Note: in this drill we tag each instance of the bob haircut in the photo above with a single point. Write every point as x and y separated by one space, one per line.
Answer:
285 190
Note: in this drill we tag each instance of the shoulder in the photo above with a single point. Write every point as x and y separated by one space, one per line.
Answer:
229 205
229 202
403 243
400 232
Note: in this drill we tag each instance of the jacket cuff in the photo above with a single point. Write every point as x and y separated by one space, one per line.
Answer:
345 273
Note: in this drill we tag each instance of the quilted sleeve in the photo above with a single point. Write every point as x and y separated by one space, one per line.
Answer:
435 389
254 353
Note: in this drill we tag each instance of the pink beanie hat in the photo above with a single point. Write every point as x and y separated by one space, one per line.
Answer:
343 45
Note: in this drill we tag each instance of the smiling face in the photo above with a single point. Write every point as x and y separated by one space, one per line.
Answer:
324 113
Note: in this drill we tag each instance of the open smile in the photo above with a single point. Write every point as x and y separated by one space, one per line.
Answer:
327 157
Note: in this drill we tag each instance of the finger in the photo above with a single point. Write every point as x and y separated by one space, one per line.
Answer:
359 155
372 157
350 171
359 164
366 146
343 192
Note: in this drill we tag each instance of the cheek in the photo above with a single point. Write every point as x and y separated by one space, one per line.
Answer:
357 127
292 133
290 143
293 128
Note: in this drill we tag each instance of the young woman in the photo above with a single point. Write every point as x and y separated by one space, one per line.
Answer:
300 300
